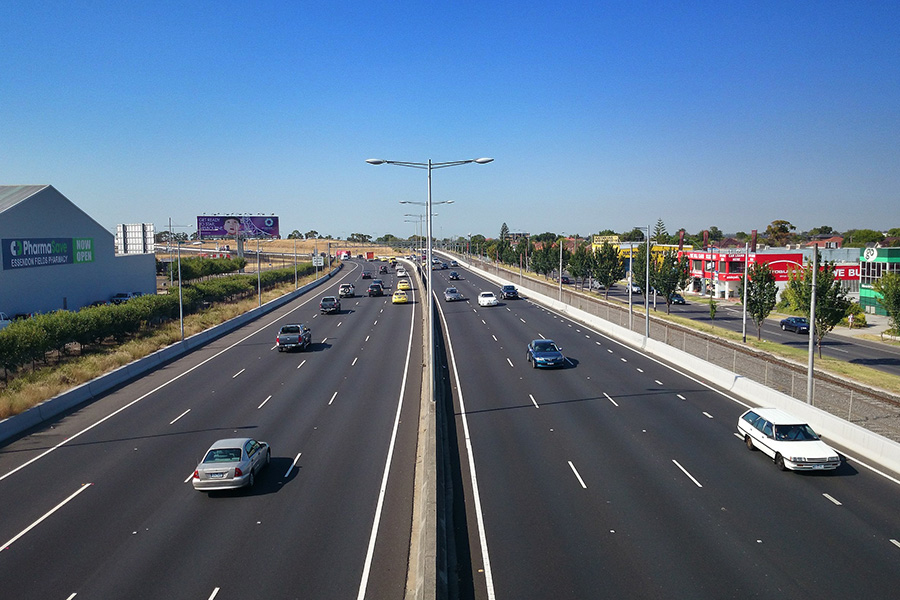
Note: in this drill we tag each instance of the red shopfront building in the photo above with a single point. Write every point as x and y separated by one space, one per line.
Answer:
719 272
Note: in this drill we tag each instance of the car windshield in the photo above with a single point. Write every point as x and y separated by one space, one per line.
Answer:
220 455
545 347
795 433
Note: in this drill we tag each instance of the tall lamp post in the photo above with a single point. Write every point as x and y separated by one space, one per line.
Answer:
429 166
646 285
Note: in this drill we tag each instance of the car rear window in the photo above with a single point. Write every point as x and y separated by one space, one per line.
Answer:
223 455
290 329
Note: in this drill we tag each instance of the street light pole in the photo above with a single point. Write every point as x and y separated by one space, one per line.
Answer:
430 303
812 327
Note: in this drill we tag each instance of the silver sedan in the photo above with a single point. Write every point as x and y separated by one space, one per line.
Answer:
230 464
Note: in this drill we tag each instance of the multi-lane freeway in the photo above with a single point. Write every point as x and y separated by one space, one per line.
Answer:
100 505
621 477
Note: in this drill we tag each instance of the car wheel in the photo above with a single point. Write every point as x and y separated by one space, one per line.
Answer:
783 328
779 462
749 441
268 456
252 479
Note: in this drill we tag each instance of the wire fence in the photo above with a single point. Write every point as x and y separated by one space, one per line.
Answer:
876 410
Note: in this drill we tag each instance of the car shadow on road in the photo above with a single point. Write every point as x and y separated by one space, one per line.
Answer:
268 481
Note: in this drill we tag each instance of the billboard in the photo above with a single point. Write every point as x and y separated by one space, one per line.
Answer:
21 253
244 225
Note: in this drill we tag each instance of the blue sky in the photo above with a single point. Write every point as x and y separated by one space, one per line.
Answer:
599 115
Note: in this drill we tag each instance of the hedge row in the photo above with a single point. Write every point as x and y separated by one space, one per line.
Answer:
29 340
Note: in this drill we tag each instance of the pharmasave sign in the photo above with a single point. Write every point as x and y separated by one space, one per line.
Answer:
23 253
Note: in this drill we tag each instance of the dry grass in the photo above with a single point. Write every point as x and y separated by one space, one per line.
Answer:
30 389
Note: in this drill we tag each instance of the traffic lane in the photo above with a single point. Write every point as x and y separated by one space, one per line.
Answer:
578 402
136 469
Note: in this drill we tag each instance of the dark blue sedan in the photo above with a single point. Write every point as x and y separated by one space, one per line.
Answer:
798 324
545 353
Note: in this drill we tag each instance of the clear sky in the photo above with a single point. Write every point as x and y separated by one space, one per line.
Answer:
599 115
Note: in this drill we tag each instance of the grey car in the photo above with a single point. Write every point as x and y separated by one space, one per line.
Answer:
451 294
231 464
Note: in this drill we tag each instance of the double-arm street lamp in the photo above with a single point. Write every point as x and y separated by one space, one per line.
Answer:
429 166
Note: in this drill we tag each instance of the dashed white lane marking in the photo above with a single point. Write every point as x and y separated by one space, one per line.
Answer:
72 596
832 499
324 340
896 543
521 319
293 464
483 322
179 416
640 370
598 343
624 359
610 399
495 337
367 338
707 415
509 361
683 470
332 399
580 480
658 382
681 397
339 323
215 592
264 402
533 401
609 350
238 373
302 363
354 361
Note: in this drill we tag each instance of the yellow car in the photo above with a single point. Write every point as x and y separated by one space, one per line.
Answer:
403 284
399 297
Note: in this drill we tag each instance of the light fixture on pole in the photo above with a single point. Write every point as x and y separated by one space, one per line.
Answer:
646 287
812 327
429 166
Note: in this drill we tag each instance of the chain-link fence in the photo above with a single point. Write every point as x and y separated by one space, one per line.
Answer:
875 410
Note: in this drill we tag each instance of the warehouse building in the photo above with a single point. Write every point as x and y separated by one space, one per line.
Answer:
55 256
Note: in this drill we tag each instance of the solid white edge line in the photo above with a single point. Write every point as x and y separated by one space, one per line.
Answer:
476 495
293 464
533 401
83 487
580 480
332 399
683 470
833 499
370 552
172 422
610 399
238 373
264 402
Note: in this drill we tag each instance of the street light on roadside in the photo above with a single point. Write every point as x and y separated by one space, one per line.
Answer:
429 166
646 285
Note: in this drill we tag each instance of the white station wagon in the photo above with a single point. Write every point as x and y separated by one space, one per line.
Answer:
791 443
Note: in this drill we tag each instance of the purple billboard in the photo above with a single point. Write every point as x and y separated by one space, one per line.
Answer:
244 225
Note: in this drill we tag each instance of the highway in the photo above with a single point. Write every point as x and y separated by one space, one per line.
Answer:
100 505
883 357
620 477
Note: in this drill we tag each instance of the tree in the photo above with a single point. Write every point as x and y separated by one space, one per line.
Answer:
543 261
669 273
889 288
504 232
715 234
362 238
607 266
295 235
822 230
639 268
635 235
832 304
659 232
580 264
762 292
859 238
778 233
312 234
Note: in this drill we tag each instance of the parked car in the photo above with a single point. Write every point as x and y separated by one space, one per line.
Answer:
454 276
330 304
231 463
509 292
297 335
375 290
4 320
123 297
451 294
797 324
399 297
347 290
790 442
565 279
487 299
677 299
544 353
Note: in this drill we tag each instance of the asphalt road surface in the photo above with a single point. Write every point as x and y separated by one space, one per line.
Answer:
100 505
621 477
